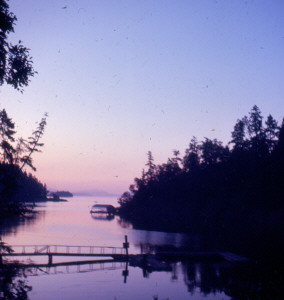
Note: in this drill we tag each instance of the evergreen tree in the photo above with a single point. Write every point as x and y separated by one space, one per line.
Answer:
173 163
238 136
33 144
256 131
150 174
212 151
255 122
7 136
280 143
22 152
271 132
191 159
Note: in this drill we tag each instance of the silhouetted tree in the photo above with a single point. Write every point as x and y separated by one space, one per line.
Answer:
212 152
16 187
255 122
271 132
151 166
7 136
15 61
257 133
236 195
280 143
238 136
191 159
34 144
173 164
21 152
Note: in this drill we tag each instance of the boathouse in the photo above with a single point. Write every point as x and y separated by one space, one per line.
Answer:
103 209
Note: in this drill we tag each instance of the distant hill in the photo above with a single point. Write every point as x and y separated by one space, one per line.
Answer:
95 193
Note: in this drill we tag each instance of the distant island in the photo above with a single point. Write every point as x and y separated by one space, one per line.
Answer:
62 194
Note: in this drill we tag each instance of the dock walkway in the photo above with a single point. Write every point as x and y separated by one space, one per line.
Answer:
117 253
155 261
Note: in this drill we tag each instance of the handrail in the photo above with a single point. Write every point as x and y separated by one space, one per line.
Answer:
65 246
73 249
51 250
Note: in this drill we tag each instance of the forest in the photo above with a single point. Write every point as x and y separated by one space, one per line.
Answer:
233 193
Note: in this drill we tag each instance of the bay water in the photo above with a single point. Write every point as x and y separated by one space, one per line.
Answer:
71 224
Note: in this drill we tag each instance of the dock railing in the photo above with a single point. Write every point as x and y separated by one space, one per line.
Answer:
65 249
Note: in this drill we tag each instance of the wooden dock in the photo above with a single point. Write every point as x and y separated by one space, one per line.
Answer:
152 262
116 253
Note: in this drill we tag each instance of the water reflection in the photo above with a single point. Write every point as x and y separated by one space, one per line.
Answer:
71 224
102 217
237 281
234 280
151 240
11 225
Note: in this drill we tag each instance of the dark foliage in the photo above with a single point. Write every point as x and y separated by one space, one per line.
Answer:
234 192
16 186
15 61
13 284
238 281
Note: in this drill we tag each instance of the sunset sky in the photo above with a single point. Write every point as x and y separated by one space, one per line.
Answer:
119 78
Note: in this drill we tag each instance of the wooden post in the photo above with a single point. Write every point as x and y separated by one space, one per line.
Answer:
50 259
126 246
125 273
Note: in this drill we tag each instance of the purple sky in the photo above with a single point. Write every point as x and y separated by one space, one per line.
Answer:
119 78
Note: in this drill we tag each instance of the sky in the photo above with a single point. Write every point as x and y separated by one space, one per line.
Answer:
121 78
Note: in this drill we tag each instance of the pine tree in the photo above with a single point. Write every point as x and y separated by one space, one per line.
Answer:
271 132
191 159
33 144
238 136
150 174
7 137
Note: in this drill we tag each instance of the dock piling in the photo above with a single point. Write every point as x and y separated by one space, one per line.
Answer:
126 246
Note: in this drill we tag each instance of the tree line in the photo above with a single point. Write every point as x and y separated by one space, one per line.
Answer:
16 185
234 190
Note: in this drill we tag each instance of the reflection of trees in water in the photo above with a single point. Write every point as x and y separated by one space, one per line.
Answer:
12 281
11 224
12 284
169 241
124 224
205 276
239 281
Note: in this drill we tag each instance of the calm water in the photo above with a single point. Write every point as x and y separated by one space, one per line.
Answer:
70 223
